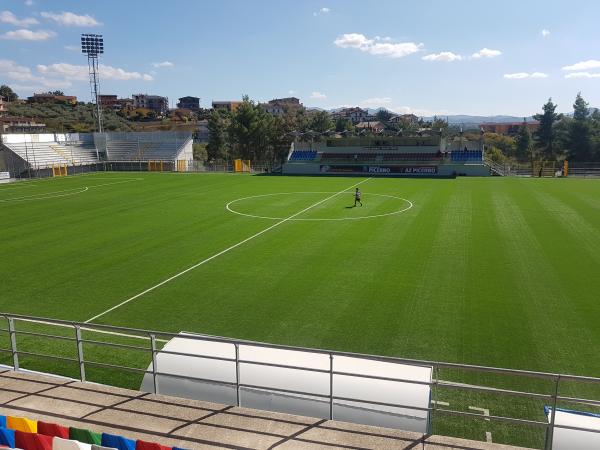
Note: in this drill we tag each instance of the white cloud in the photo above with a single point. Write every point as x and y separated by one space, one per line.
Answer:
317 95
72 48
486 53
291 92
29 2
28 35
11 70
80 73
163 64
376 46
323 10
70 19
11 19
14 71
524 75
443 56
545 33
582 75
376 101
584 65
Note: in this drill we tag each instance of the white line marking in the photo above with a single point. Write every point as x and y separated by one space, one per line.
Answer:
35 181
127 180
46 195
485 412
222 252
93 330
230 209
437 402
73 191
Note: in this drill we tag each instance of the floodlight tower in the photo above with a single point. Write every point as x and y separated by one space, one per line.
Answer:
93 46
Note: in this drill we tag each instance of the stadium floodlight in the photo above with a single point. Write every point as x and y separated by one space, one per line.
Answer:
92 45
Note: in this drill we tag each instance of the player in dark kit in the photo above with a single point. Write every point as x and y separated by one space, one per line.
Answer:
357 196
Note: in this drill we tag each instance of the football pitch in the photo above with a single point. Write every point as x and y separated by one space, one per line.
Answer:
489 271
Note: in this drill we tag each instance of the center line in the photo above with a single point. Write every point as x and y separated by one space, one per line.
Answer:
222 252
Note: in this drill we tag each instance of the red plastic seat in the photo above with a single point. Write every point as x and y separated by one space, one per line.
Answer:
143 445
52 429
32 441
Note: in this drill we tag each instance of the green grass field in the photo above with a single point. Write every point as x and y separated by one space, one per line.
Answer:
491 271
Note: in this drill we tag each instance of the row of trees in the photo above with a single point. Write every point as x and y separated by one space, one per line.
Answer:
574 137
250 132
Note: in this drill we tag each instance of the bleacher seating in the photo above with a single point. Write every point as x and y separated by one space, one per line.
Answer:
303 155
383 157
80 153
412 156
39 155
466 156
348 157
141 151
26 434
47 154
121 150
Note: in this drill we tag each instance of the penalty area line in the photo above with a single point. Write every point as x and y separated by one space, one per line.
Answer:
222 252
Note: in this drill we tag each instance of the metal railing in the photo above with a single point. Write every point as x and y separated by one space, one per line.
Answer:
152 349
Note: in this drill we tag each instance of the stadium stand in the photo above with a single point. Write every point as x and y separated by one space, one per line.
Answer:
466 156
27 434
38 154
303 155
121 150
100 417
388 156
19 153
77 153
146 146
350 157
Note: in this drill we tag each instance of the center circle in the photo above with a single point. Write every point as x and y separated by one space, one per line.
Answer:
407 204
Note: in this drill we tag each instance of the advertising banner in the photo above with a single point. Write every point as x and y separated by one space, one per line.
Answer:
380 170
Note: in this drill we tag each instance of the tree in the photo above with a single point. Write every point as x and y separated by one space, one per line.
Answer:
218 143
595 126
439 124
320 122
523 142
545 135
505 144
383 115
580 139
7 93
343 124
249 130
56 92
200 153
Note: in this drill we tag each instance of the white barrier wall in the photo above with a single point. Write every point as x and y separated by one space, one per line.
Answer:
565 439
262 380
46 137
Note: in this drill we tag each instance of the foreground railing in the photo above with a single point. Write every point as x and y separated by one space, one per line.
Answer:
71 334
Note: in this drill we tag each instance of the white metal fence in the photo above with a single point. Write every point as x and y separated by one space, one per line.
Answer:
52 345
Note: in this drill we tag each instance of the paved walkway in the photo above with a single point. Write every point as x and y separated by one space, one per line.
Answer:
195 424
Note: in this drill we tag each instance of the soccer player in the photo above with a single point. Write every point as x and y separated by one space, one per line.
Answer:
357 196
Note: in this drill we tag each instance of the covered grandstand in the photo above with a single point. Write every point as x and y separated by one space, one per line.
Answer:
395 156
26 155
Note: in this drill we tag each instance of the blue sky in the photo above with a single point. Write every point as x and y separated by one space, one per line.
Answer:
426 56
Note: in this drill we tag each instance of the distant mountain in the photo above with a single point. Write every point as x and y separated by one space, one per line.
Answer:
458 119
476 120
